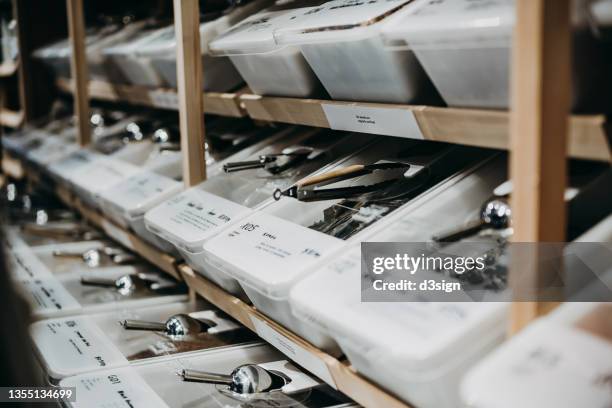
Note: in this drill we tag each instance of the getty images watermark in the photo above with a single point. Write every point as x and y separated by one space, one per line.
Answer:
478 271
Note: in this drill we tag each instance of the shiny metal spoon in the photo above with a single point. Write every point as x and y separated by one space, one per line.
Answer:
177 325
245 379
93 257
495 214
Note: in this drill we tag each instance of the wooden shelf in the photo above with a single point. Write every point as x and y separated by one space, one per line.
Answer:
334 372
126 238
12 119
8 68
12 167
224 104
483 128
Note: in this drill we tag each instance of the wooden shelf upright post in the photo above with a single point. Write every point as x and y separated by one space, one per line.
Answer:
541 91
78 66
189 78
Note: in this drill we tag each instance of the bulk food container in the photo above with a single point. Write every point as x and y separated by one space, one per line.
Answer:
157 384
342 42
197 214
464 46
106 343
280 242
122 58
417 350
561 360
111 289
128 201
269 69
219 74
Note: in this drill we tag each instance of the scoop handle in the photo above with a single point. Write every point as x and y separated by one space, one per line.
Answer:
206 377
130 324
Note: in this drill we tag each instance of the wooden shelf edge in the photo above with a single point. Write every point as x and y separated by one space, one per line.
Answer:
12 119
342 376
473 127
216 103
8 69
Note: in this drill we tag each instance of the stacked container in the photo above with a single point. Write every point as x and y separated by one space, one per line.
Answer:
270 69
343 44
464 46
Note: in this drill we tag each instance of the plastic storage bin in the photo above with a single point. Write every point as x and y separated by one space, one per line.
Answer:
342 42
465 49
157 385
560 360
416 350
281 242
109 345
128 201
197 214
55 296
269 69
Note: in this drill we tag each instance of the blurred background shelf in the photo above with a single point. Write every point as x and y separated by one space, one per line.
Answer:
8 69
216 103
588 137
10 118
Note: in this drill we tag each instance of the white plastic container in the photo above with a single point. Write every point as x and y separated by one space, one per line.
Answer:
558 361
416 350
127 202
64 169
199 213
123 59
55 296
101 174
105 344
342 42
280 243
465 49
269 69
157 385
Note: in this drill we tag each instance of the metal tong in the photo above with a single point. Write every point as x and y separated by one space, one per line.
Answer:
274 163
309 189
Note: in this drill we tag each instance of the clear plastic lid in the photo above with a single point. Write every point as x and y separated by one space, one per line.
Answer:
453 21
255 34
342 20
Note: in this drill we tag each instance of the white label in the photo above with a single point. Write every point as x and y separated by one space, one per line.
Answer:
113 389
164 99
194 215
294 351
378 121
138 189
47 296
71 346
272 251
25 265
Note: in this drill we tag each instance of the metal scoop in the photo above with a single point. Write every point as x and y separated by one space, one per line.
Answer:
246 379
93 257
177 325
495 214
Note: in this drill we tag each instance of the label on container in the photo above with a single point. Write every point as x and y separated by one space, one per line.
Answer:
25 265
378 121
294 351
164 99
47 295
113 389
103 174
139 189
74 345
195 215
272 251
